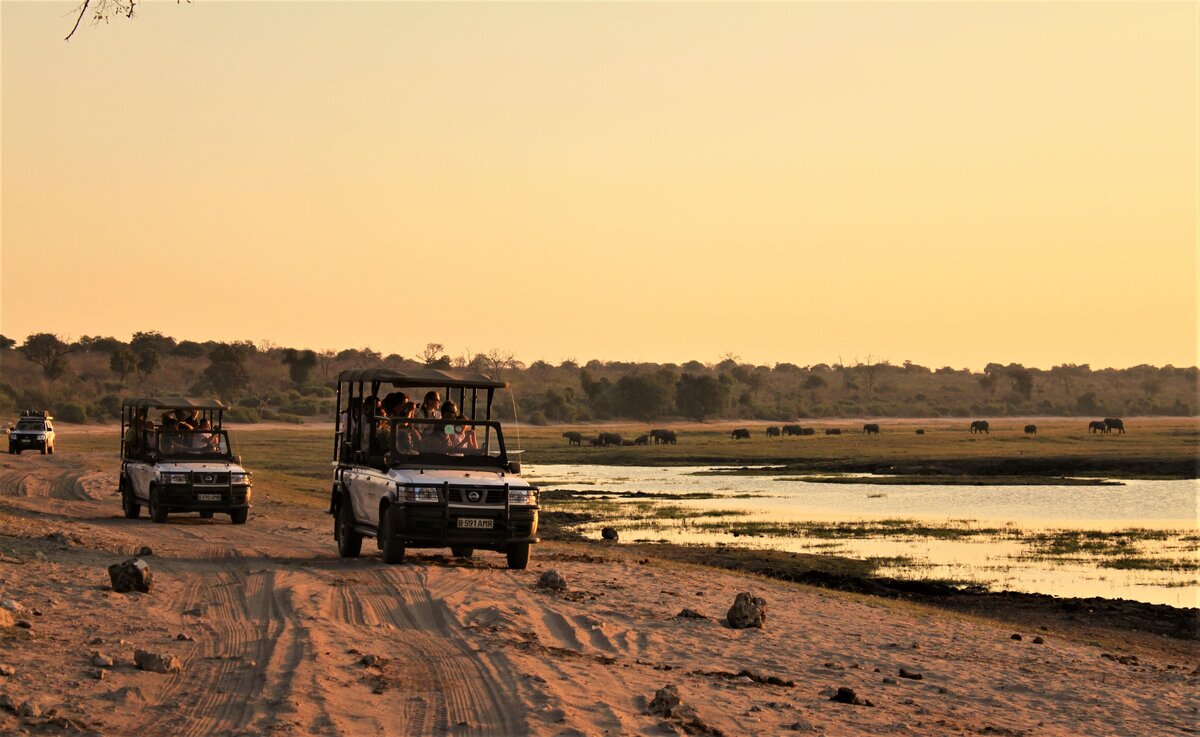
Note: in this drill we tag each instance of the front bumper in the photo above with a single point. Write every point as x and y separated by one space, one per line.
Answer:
188 498
436 526
25 441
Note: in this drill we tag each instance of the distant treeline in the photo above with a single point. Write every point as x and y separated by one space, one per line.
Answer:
86 379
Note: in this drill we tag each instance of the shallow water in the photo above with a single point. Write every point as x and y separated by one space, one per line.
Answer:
1005 561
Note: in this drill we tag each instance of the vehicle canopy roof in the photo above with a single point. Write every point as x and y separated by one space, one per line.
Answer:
173 403
422 377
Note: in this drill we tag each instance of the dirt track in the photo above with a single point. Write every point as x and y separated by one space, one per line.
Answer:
279 628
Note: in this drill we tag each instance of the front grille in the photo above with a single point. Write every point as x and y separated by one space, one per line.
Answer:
210 478
486 496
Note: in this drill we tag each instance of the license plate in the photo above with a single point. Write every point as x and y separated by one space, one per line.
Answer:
475 524
208 497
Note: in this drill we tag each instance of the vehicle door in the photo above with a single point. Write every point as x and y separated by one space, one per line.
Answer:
367 487
140 475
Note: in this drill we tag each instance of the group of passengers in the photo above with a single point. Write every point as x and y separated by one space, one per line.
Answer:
186 432
392 419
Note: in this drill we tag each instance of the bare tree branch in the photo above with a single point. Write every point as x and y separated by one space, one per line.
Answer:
82 9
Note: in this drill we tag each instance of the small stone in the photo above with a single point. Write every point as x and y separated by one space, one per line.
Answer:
13 606
905 673
6 618
97 641
156 662
747 611
552 581
29 710
184 637
846 695
665 703
100 674
890 680
1015 636
373 661
1038 640
610 533
100 660
145 551
199 610
686 613
131 575
7 670
25 624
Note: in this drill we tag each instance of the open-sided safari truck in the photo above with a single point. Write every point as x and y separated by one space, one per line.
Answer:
415 481
176 457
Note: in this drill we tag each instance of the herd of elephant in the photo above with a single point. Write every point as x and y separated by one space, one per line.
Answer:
669 437
605 439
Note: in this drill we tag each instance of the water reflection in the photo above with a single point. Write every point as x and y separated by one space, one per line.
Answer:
1008 560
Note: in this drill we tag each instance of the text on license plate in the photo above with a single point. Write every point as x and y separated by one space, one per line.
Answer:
475 524
208 497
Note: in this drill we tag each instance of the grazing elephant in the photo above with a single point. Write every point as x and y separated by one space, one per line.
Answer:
573 438
642 440
870 429
1031 429
920 432
740 434
1097 426
808 431
594 442
793 430
663 436
609 438
1115 423
773 432
832 431
980 426
669 437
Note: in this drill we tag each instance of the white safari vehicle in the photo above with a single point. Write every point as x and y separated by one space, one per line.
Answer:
34 431
175 457
414 478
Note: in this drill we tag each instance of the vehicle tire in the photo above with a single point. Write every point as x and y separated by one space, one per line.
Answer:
206 515
462 552
129 504
518 556
51 450
157 513
43 450
393 549
237 516
349 542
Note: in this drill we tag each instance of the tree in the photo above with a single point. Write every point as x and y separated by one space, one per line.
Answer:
325 360
6 343
699 395
48 351
147 360
123 362
645 396
163 344
498 361
432 352
226 372
300 364
98 344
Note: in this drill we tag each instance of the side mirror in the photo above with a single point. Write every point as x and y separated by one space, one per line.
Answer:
514 467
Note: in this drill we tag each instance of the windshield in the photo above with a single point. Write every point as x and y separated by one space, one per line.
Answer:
30 424
414 440
192 443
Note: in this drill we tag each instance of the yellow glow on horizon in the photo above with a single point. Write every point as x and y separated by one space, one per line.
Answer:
951 183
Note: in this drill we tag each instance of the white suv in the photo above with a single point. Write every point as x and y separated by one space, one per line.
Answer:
180 461
35 429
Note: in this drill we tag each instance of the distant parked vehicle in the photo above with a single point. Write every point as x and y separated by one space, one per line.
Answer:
183 463
1031 429
870 429
981 427
740 434
34 431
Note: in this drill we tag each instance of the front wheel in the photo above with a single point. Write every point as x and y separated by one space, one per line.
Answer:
51 450
237 516
518 556
43 450
129 505
349 542
158 513
393 549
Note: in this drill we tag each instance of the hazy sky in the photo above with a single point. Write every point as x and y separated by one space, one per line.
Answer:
949 183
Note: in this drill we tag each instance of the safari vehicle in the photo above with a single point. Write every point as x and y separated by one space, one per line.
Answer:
413 482
34 430
180 470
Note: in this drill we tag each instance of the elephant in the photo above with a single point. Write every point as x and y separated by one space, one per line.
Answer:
980 426
808 431
920 432
573 438
1031 429
609 438
832 431
773 432
870 429
642 440
1115 423
740 434
669 437
793 430
663 436
1097 426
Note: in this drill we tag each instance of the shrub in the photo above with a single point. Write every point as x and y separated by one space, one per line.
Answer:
245 415
71 412
250 402
305 407
536 418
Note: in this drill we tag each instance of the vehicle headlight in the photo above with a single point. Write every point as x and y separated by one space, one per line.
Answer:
421 494
522 496
41 437
175 478
239 479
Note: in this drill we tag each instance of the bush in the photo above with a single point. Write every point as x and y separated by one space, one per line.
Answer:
245 415
305 407
71 412
537 418
250 402
108 406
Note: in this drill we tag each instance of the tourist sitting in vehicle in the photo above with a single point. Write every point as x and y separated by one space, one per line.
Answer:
429 408
458 436
204 440
406 437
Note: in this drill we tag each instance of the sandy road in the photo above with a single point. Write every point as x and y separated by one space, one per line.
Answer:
277 627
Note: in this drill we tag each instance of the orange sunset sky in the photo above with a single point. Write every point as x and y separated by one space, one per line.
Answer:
951 183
